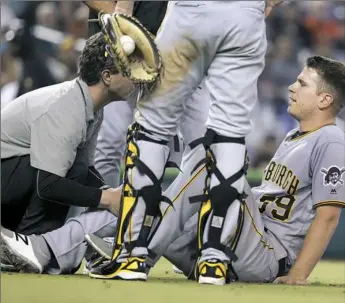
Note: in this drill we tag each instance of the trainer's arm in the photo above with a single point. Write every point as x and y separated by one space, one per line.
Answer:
316 241
61 190
97 6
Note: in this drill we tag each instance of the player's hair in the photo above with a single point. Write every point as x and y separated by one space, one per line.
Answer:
93 60
332 75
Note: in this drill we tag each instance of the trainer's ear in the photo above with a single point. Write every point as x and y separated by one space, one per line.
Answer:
106 77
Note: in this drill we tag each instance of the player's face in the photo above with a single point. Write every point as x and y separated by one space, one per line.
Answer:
304 97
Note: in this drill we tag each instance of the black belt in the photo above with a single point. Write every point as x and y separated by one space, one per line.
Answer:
283 267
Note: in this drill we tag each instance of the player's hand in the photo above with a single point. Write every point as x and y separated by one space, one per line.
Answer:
270 5
291 280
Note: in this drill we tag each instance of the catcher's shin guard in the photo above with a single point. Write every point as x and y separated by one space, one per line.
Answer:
151 194
216 201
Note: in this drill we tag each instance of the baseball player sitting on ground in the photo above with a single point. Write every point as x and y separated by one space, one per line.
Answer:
282 228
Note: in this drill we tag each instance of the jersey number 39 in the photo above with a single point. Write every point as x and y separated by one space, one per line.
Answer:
282 206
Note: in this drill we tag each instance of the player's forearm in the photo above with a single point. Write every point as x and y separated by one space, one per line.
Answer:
125 7
316 241
106 6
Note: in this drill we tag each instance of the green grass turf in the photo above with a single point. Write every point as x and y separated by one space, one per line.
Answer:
164 286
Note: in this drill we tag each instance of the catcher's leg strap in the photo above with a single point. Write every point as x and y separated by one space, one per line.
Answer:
152 194
220 197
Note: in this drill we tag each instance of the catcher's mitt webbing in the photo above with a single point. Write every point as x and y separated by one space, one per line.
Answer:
144 64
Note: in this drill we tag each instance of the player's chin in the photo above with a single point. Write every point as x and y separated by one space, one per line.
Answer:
292 110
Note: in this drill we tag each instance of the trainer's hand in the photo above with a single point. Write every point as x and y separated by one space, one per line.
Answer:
111 199
270 5
290 280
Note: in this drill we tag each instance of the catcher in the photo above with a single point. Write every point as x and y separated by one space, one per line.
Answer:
48 136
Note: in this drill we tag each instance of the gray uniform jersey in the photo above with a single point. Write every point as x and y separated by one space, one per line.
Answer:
305 173
54 125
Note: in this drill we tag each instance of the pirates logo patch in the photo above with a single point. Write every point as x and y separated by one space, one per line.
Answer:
333 175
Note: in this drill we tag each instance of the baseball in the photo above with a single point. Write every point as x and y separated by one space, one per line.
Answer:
128 44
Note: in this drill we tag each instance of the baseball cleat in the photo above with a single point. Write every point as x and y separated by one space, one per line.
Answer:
18 249
102 247
95 260
212 272
6 264
7 267
134 269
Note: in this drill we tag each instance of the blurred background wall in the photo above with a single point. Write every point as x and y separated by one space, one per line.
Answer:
41 40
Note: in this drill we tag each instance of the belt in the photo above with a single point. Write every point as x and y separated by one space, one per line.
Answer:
283 267
283 264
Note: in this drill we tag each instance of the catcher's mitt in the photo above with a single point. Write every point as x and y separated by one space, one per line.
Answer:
143 66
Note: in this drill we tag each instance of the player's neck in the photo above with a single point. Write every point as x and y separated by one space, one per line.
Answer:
313 124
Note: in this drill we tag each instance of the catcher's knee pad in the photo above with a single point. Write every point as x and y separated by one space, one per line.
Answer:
216 200
151 194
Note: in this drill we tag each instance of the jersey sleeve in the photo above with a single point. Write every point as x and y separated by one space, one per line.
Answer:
55 137
328 175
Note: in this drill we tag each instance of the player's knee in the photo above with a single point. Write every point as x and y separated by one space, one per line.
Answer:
222 196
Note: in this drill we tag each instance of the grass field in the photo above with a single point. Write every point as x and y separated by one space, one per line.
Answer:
164 286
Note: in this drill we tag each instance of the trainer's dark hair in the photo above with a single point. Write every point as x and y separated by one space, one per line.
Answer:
332 76
93 60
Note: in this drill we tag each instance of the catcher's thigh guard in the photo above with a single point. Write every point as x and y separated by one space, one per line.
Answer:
141 193
218 200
